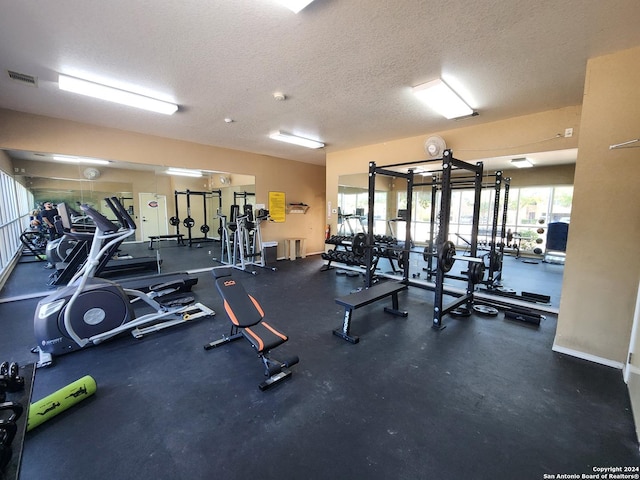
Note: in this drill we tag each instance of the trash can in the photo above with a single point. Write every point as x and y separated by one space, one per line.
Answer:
270 253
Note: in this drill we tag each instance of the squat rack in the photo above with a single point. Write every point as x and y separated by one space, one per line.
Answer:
189 222
498 222
445 252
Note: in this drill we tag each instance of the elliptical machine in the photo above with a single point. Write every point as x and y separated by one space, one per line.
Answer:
58 250
90 310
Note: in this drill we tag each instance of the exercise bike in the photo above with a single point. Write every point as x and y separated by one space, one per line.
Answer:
90 310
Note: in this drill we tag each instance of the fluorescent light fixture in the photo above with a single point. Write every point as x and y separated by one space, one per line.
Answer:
522 162
303 142
295 5
96 90
441 98
423 172
69 159
184 172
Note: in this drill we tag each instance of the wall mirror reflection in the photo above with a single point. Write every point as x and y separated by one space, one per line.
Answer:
163 201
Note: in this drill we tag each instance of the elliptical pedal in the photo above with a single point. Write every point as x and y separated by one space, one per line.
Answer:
175 299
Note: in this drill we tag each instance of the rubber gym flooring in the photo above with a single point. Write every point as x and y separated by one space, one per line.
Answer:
485 398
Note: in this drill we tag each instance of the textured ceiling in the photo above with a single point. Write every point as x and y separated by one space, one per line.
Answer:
346 67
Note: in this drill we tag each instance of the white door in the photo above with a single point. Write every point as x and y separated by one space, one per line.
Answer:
632 368
153 215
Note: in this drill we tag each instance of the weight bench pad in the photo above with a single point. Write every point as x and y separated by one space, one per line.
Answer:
245 312
264 337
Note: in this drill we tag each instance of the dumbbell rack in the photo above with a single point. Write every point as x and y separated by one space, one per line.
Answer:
350 250
23 397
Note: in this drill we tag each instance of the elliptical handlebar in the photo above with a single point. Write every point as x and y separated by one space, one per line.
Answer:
121 213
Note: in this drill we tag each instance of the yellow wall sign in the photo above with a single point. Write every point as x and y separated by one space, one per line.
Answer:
277 206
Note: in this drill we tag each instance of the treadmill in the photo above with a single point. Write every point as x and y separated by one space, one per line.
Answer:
109 263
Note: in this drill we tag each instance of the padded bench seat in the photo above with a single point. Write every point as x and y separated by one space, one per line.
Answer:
365 297
179 237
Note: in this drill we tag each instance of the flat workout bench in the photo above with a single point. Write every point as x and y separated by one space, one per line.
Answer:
365 297
179 236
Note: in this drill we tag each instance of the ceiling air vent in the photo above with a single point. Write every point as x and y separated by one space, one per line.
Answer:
23 78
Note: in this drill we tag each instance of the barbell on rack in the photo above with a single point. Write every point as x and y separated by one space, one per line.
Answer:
447 257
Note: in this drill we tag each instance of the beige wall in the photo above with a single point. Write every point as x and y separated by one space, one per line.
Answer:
300 182
5 163
559 175
603 259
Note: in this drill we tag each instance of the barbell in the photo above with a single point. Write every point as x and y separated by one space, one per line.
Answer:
447 257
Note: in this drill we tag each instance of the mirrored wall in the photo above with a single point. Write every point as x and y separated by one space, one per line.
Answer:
158 202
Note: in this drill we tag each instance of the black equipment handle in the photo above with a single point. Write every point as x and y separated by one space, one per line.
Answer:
16 409
100 220
121 212
10 429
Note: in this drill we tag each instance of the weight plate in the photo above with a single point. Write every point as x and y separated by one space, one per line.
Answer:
460 312
505 290
476 272
486 310
359 244
495 261
174 221
445 256
204 228
189 222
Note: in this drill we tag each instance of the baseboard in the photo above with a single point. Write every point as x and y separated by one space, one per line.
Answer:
587 356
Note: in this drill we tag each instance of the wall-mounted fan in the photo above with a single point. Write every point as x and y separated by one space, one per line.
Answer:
434 146
91 173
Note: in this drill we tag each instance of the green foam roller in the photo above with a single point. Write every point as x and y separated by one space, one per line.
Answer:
60 400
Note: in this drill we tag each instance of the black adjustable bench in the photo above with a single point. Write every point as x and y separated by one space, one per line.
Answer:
366 297
246 317
152 238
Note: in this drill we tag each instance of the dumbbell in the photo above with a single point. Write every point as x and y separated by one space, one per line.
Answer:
10 381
